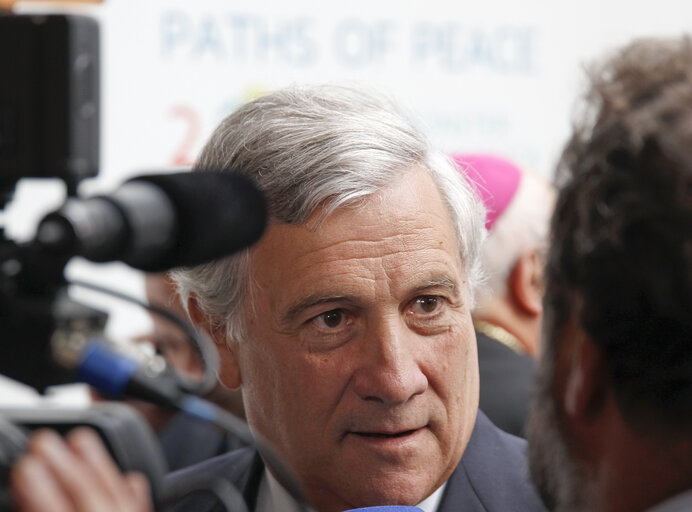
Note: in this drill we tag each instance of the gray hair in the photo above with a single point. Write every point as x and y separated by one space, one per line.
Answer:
319 147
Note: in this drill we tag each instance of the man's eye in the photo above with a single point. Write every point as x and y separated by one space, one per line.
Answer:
331 319
427 304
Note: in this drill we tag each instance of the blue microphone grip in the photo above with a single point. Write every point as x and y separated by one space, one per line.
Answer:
105 370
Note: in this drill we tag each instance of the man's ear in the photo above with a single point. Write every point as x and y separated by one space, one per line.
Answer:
586 380
229 370
525 283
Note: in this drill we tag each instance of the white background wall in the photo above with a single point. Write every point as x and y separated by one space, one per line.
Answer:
492 75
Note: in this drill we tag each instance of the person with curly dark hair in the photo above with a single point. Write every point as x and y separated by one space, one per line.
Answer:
611 423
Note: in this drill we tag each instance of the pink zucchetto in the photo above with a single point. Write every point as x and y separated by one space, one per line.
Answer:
496 180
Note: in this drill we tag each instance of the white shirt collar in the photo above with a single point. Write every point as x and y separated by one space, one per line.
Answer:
431 503
272 497
679 503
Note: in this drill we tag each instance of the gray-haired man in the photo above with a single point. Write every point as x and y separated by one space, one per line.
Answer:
348 327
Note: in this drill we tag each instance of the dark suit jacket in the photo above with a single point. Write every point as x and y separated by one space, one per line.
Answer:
492 476
506 380
183 432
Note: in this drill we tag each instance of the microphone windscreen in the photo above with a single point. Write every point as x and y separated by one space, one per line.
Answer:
217 213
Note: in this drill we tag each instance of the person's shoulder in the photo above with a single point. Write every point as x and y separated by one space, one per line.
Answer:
495 350
506 381
183 432
230 464
241 468
493 473
497 446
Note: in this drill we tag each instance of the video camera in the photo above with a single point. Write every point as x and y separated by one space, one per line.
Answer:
49 128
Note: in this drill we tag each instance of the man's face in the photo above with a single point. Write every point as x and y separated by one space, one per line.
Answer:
361 364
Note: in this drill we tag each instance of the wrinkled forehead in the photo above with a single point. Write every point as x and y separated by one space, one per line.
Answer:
412 185
407 223
413 201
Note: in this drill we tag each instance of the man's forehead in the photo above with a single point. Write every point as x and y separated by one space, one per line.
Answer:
403 238
412 206
406 261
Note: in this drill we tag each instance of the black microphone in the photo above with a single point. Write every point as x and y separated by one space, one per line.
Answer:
160 221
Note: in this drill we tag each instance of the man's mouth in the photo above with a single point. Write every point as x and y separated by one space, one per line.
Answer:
383 435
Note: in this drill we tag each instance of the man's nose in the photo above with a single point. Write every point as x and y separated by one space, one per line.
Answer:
390 370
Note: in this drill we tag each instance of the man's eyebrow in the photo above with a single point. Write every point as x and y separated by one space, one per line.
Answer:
440 281
311 301
437 281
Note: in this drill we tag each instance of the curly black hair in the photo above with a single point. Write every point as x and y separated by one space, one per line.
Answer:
621 237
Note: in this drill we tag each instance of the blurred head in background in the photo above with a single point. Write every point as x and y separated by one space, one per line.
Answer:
166 338
519 203
172 343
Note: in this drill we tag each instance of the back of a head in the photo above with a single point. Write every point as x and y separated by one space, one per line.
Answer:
520 203
321 148
621 255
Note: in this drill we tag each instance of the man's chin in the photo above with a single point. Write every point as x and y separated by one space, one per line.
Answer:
391 493
378 489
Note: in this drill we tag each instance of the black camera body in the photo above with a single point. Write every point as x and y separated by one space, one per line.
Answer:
49 128
124 432
49 98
